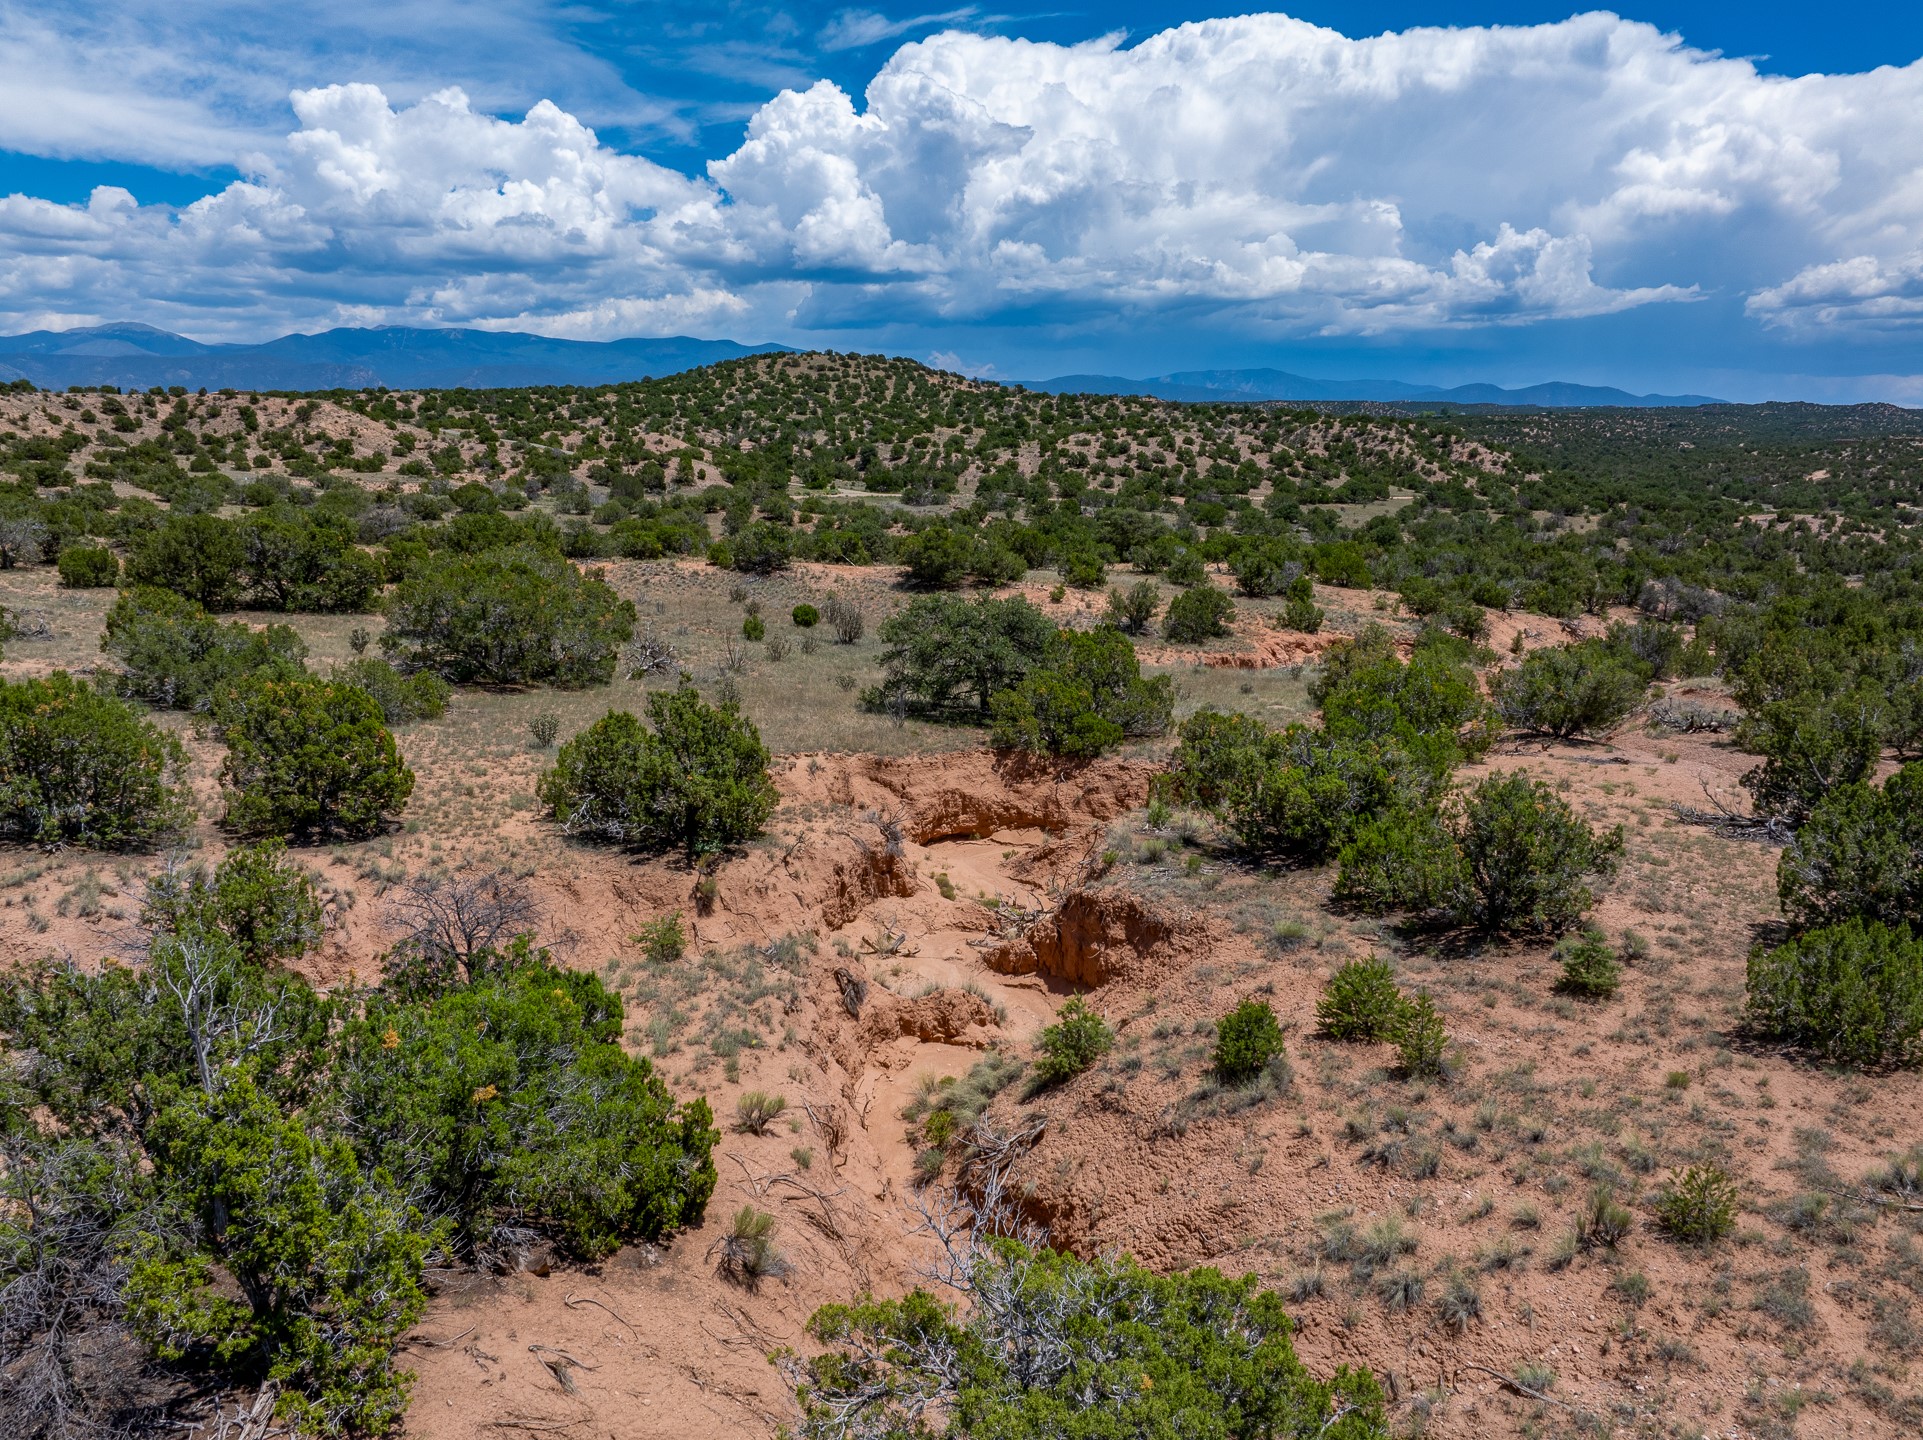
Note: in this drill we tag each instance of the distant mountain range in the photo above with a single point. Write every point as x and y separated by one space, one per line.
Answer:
1224 385
139 356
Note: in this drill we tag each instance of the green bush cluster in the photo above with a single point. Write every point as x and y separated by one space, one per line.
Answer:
279 559
175 655
1193 1354
78 767
1851 992
402 698
211 1165
697 781
1510 857
1568 691
88 567
1247 1040
1698 1205
1086 696
308 759
513 616
1590 968
1198 614
1361 1002
1078 1038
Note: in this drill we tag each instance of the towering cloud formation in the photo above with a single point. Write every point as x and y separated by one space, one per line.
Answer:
1261 170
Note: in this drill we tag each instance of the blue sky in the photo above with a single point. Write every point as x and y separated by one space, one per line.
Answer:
1696 196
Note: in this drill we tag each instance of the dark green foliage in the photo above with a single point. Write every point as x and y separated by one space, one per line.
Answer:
1405 860
760 549
244 1180
945 656
697 781
1422 1040
1698 1205
519 616
1246 1040
1087 695
88 567
1852 993
308 759
299 562
1361 1002
1528 857
1366 690
805 616
1199 613
173 654
1213 757
1133 611
1810 746
754 628
1078 1038
1303 793
1589 966
327 1259
1050 1345
1302 613
402 698
257 898
511 1099
1569 690
201 557
81 768
1859 853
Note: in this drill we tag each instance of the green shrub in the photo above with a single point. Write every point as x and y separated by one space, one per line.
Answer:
1368 692
1302 793
511 1101
805 616
1087 695
1527 857
947 657
698 780
200 557
1192 1354
1859 854
754 628
1133 611
308 759
1422 1040
1403 860
1810 748
1246 1040
1853 993
301 562
1698 1205
402 698
256 898
663 940
761 548
1078 1038
1589 966
1569 690
1199 613
81 768
1361 1002
1302 613
88 567
309 1153
517 616
1216 756
173 654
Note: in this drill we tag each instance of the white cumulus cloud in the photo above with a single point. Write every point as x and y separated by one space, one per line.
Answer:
1257 172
